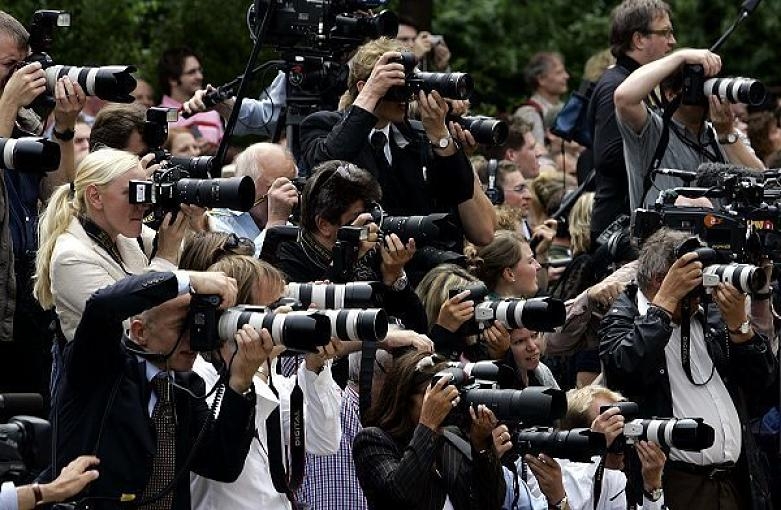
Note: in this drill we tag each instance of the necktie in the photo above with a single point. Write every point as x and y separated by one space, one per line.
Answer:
378 141
164 461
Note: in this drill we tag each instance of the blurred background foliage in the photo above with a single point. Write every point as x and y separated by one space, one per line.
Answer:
491 39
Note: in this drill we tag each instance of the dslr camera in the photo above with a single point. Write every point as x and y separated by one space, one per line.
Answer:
112 83
437 227
450 85
536 314
696 88
577 445
747 278
485 130
690 434
25 448
155 135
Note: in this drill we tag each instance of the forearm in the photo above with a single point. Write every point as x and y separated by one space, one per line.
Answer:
738 154
644 80
478 217
575 325
8 114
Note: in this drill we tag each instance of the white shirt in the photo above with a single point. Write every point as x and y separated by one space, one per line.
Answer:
254 489
578 480
710 401
386 149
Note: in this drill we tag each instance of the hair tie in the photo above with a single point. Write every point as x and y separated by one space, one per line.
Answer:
71 190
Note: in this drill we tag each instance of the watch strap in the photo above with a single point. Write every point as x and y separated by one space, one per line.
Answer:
65 136
742 329
37 494
728 139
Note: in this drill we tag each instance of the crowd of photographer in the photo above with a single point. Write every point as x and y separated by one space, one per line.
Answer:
407 307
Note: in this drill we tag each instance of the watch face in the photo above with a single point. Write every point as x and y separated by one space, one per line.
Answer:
443 142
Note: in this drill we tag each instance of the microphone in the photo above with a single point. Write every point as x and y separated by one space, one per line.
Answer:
685 175
20 403
712 175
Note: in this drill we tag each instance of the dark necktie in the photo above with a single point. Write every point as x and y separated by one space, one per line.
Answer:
164 461
378 142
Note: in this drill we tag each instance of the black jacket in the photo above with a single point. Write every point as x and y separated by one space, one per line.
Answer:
611 197
420 474
97 364
632 353
448 181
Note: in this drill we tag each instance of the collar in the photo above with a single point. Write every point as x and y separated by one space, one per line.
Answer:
150 370
399 139
627 62
318 253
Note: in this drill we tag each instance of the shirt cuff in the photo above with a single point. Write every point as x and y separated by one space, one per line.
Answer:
8 497
182 281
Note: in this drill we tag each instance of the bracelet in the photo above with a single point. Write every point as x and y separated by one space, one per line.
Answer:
37 494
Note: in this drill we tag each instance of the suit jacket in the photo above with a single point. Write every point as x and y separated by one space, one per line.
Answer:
104 397
79 267
423 473
448 181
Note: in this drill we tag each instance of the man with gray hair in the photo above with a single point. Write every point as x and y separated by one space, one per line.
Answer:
272 168
547 77
706 373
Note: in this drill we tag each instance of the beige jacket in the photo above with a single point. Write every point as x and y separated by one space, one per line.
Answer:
79 267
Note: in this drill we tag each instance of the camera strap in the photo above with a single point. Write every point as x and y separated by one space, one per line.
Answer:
102 239
286 477
686 343
599 475
661 146
366 376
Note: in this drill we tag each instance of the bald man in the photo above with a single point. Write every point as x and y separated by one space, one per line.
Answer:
272 168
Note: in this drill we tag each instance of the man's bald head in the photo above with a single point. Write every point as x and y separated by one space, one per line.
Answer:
265 162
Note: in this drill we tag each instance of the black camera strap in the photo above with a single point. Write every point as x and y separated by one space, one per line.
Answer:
686 343
661 146
599 476
286 477
102 239
366 376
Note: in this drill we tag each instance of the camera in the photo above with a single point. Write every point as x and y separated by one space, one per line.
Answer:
747 278
486 374
690 434
485 130
423 229
25 448
450 85
300 332
334 295
351 324
577 445
112 83
29 154
536 314
696 88
324 27
155 135
171 187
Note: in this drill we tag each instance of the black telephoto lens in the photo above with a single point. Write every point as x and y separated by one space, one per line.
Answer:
348 324
29 154
199 166
485 130
535 405
237 193
449 85
112 83
577 445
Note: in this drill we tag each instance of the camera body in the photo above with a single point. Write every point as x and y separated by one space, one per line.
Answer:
155 135
25 448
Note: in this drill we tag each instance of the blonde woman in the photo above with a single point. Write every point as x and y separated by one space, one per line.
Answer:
91 236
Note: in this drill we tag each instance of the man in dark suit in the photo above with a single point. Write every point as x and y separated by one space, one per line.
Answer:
134 402
418 174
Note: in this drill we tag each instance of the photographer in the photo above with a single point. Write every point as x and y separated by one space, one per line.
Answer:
691 141
272 169
508 266
134 402
120 126
72 480
260 284
336 195
710 376
427 48
405 458
372 132
88 236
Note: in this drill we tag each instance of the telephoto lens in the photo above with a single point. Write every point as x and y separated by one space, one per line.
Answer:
536 314
485 130
490 371
449 85
237 193
112 83
690 434
577 445
368 325
535 405
29 154
333 295
736 90
424 229
747 278
199 166
300 332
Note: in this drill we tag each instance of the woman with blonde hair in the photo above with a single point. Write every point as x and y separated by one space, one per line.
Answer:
91 236
507 266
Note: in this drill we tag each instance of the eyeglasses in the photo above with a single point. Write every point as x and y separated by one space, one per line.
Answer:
667 33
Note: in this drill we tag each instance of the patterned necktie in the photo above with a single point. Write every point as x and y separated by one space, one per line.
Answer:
164 461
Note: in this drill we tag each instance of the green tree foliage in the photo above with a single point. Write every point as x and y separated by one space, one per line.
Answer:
492 39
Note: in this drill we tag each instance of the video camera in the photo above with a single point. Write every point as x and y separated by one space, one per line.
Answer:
112 83
298 331
29 154
535 405
536 314
449 85
690 434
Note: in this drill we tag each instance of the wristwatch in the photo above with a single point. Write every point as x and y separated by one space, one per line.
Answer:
561 505
654 495
729 139
65 136
442 143
744 328
400 283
